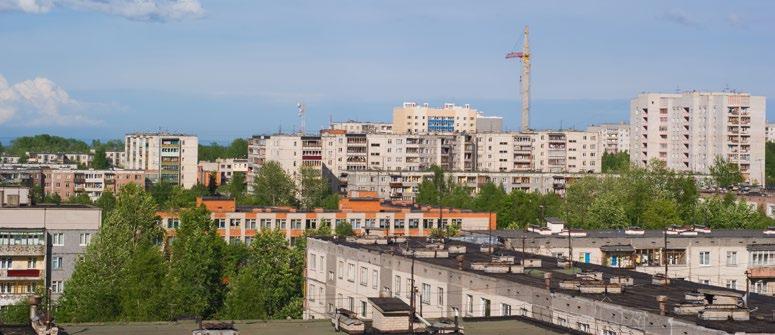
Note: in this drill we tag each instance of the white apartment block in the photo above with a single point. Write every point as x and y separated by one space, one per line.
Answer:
770 132
339 153
116 158
411 118
361 127
688 130
163 156
615 137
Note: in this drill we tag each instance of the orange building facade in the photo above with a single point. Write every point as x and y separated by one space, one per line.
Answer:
364 212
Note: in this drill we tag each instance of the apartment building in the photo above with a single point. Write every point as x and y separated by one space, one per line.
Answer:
363 127
724 258
221 170
412 118
367 214
769 132
445 279
4 159
22 175
615 137
340 154
39 246
163 156
404 185
116 158
689 130
69 183
83 159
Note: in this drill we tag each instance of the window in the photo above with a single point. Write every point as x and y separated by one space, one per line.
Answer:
469 304
731 283
505 310
705 258
56 263
426 294
58 239
57 286
397 287
85 239
350 272
484 305
364 276
339 299
562 322
5 288
374 279
584 327
5 262
340 269
321 295
731 258
409 288
759 287
322 263
32 263
351 305
313 262
363 309
266 223
173 223
221 223
311 292
250 223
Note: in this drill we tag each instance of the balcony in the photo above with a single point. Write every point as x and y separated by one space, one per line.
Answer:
20 274
22 250
762 272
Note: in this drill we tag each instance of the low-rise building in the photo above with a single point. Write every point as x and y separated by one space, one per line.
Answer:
78 158
221 170
69 183
116 158
724 258
14 196
367 214
39 246
450 278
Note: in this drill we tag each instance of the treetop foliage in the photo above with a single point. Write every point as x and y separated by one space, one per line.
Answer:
238 148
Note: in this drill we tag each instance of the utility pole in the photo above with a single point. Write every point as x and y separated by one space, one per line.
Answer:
664 256
570 250
524 55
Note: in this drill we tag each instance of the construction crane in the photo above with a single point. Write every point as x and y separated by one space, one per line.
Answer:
524 80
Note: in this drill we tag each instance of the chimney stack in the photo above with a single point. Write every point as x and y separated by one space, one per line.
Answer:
548 280
662 299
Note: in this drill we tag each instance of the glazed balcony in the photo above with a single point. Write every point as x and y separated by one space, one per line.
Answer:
22 250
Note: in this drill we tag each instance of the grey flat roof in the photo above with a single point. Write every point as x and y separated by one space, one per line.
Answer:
640 296
715 233
288 327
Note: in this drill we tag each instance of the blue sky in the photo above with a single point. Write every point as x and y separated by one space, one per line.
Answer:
223 69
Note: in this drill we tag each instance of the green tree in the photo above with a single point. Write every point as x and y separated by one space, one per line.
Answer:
660 214
616 162
236 186
427 193
46 143
269 283
725 173
316 191
195 279
23 158
605 212
106 202
15 314
769 163
236 149
273 187
100 160
80 198
141 294
343 229
98 289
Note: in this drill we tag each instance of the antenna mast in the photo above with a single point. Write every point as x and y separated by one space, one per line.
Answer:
524 79
300 107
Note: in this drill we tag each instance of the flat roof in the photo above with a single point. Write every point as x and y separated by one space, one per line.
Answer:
714 233
290 327
640 296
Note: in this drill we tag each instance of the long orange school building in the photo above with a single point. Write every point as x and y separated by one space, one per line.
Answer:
363 210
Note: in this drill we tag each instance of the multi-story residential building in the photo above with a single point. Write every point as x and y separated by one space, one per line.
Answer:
39 246
615 137
411 118
15 196
220 171
404 185
366 213
445 279
69 183
363 127
725 258
22 174
9 159
116 158
769 132
688 131
163 156
83 159
339 153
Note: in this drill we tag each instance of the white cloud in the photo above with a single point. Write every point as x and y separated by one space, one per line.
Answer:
139 10
37 102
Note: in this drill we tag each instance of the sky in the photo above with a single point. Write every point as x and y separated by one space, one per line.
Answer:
227 68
